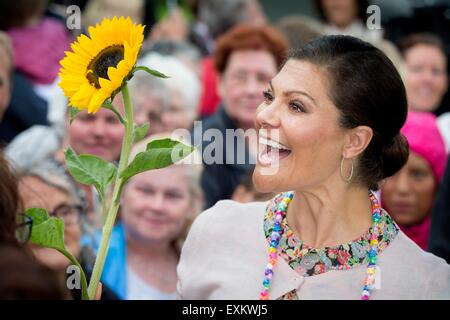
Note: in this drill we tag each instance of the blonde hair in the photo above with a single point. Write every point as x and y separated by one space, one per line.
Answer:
194 172
96 10
5 43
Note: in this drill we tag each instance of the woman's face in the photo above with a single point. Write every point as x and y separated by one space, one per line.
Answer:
156 204
149 109
298 114
177 116
426 78
99 134
246 75
340 12
37 194
409 195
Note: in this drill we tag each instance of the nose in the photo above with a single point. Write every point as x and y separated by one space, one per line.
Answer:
267 116
402 183
157 202
253 87
99 128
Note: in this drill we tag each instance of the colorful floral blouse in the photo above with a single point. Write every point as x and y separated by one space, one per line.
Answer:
308 261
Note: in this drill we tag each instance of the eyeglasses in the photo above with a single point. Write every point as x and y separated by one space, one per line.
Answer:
69 213
24 225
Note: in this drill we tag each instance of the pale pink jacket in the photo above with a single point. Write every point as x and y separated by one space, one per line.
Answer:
225 255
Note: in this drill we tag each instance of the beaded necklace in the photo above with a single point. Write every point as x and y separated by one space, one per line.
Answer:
372 253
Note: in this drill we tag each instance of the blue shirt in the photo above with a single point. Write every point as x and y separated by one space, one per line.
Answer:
114 273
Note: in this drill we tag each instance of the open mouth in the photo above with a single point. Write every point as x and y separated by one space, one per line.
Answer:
272 151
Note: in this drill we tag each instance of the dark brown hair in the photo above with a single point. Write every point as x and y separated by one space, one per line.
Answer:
10 202
18 12
416 39
368 91
250 37
22 277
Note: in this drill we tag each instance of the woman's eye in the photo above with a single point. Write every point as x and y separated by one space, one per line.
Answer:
418 174
145 190
85 117
268 97
416 68
174 195
296 106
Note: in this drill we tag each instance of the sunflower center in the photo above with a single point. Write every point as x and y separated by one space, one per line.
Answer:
98 67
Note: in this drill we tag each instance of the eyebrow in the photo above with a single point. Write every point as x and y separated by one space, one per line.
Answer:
290 92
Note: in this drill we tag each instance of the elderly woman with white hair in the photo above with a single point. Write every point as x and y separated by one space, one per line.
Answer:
151 97
184 88
47 185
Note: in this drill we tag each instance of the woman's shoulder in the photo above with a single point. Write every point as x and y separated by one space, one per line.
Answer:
227 219
226 210
223 247
404 246
429 272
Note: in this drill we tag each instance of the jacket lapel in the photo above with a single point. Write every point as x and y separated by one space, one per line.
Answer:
284 280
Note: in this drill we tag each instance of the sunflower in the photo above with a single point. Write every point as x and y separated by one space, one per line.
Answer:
97 66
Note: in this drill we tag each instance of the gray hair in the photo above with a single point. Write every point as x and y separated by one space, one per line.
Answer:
221 15
182 79
53 174
178 49
142 82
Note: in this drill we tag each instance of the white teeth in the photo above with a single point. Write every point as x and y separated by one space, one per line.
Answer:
272 144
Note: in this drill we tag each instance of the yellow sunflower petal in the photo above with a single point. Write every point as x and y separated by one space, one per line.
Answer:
96 101
106 85
83 71
83 95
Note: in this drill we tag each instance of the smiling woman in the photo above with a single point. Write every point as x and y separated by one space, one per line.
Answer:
330 129
426 76
409 195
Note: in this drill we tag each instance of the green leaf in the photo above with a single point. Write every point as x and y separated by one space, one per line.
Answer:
159 154
73 113
47 231
90 170
37 214
140 132
153 72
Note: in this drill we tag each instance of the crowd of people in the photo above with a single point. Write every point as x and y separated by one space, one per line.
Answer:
222 58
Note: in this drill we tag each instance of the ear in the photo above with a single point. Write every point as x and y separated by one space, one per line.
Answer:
357 141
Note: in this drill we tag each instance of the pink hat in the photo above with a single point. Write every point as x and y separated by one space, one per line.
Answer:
424 138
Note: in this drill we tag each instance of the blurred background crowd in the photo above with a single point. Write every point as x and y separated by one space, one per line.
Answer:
220 56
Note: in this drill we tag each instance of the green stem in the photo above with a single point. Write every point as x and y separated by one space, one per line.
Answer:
112 212
84 287
108 105
104 211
